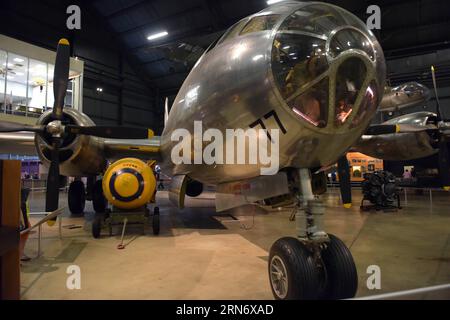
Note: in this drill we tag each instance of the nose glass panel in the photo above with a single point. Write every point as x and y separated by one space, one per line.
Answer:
296 61
319 19
312 105
321 49
349 81
350 39
260 23
368 105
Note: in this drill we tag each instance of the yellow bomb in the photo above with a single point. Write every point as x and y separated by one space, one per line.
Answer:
129 183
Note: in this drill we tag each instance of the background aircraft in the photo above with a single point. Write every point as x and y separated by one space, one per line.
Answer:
403 96
311 70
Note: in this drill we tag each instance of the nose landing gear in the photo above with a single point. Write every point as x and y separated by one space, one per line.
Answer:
315 265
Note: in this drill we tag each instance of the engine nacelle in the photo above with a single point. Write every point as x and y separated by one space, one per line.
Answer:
129 184
79 155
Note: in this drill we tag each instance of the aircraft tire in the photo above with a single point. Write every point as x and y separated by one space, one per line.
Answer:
156 221
98 199
342 277
97 226
77 197
293 274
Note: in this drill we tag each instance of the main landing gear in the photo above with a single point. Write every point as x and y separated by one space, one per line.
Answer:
99 201
77 197
315 265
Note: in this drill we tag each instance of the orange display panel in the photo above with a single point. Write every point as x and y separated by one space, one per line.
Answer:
361 164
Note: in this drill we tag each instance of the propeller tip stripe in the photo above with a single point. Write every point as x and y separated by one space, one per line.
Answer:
64 42
347 205
51 223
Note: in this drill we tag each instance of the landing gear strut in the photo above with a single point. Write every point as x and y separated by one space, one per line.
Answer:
76 197
315 265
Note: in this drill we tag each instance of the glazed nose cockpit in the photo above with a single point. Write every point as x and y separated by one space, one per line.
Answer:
328 67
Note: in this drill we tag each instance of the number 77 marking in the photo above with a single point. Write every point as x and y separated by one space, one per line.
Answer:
266 117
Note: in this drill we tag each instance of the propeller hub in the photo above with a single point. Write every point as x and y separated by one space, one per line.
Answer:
55 128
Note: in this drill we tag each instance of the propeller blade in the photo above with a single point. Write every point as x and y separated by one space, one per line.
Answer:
375 130
382 129
112 132
444 165
6 126
61 77
52 192
166 111
344 181
438 105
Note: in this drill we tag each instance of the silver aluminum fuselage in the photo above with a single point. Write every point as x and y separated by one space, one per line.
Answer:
232 86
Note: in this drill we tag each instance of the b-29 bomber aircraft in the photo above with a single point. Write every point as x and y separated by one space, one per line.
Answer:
312 73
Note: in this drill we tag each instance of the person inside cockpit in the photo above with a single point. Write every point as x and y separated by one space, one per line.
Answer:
303 72
346 94
343 111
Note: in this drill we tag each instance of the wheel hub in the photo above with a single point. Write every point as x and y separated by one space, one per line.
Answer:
55 128
278 277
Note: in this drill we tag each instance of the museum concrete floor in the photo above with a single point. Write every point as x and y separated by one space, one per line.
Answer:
204 255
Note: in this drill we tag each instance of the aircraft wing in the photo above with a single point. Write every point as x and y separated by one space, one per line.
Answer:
18 143
143 149
397 146
407 137
22 143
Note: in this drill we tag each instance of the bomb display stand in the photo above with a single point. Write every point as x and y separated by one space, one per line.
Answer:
9 230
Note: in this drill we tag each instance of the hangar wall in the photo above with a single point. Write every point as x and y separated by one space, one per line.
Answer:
127 97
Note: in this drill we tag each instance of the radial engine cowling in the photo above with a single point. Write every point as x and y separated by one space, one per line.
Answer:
79 155
129 184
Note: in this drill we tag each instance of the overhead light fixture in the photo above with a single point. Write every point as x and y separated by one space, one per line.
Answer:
99 89
269 2
157 35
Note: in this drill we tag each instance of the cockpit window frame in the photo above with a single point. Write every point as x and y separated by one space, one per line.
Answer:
213 44
233 32
254 18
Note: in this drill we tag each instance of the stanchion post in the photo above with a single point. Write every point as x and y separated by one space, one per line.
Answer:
39 241
60 226
431 199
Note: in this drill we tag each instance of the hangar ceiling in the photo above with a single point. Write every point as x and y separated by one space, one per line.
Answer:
137 74
408 28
